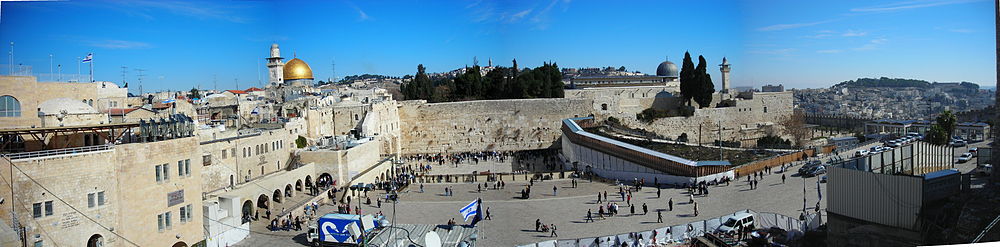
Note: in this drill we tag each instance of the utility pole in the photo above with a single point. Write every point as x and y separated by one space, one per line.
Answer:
60 72
720 141
10 65
333 67
50 66
78 62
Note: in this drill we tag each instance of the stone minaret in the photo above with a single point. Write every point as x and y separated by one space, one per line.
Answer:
275 65
724 67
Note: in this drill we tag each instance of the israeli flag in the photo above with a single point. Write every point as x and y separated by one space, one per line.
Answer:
470 210
90 56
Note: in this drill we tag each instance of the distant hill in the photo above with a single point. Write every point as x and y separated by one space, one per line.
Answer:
900 82
884 82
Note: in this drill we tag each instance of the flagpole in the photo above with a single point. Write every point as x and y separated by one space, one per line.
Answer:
91 62
78 62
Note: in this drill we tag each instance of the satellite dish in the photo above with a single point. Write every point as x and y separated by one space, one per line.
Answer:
431 239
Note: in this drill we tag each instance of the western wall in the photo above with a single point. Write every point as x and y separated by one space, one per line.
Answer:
501 125
525 124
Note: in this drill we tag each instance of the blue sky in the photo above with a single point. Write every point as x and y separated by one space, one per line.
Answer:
184 44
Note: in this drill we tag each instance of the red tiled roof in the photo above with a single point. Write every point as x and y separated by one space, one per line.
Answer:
120 111
236 91
162 105
254 89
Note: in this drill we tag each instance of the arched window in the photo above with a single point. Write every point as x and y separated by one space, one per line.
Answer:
9 106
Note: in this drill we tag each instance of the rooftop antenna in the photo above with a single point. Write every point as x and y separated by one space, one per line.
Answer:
215 83
124 74
140 75
333 67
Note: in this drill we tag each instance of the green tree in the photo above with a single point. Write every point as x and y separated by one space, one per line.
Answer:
947 121
300 142
688 83
195 93
704 87
937 135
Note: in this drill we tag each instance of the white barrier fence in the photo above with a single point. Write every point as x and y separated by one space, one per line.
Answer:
684 233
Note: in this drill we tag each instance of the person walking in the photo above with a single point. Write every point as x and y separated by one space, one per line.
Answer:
657 192
488 216
590 217
690 198
782 178
598 197
695 209
632 209
670 204
554 190
645 210
538 225
659 216
553 229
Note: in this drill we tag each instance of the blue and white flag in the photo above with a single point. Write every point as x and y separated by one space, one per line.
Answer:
470 210
90 56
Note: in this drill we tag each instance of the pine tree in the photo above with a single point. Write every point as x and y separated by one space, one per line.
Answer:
687 79
705 87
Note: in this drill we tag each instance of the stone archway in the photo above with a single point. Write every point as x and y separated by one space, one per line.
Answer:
95 240
263 202
247 211
276 196
179 244
288 191
298 185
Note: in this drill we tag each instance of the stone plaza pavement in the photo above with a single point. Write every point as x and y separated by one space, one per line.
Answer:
513 219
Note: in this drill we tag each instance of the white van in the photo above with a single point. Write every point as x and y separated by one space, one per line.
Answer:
736 223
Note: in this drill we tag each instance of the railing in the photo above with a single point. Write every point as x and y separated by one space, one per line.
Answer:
52 152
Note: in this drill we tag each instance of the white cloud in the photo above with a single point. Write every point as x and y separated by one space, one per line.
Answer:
119 44
519 15
783 52
201 10
779 27
910 5
852 33
872 45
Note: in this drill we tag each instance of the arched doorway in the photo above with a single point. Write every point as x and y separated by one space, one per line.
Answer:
95 240
298 185
288 190
247 211
324 180
179 244
263 202
277 196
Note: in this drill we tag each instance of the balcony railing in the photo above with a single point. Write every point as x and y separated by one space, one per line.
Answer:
53 152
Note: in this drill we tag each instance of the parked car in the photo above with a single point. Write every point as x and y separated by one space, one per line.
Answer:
965 157
819 170
860 153
984 169
974 151
958 143
736 223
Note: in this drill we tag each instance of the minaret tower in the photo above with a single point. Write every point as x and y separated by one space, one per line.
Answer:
724 67
275 65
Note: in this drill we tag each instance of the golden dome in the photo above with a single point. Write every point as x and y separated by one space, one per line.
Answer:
297 69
